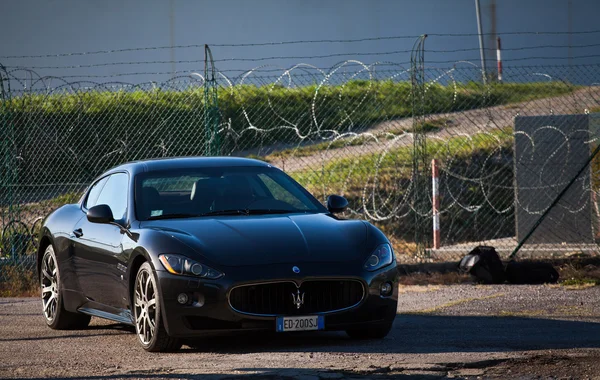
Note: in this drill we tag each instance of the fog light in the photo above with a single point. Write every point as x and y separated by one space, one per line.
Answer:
182 298
198 300
386 289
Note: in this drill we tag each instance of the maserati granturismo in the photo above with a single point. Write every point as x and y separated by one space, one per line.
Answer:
182 247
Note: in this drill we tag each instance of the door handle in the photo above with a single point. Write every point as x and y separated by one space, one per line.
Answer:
78 232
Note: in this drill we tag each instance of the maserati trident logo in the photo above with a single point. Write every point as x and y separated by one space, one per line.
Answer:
298 299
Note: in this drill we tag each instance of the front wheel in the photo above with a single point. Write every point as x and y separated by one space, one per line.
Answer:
52 300
378 331
148 315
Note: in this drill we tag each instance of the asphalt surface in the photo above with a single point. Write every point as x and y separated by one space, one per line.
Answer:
464 331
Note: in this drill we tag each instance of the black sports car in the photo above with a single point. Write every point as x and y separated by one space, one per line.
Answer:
184 246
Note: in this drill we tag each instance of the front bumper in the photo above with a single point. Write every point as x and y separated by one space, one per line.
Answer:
211 311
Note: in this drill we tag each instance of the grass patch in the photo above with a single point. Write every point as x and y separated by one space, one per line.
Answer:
303 151
51 203
346 172
579 283
18 282
18 238
579 273
136 124
431 125
342 141
30 211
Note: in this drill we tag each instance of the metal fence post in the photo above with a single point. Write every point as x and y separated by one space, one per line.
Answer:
3 148
211 105
420 175
8 170
5 141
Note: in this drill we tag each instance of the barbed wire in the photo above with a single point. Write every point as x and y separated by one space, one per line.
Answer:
275 58
325 41
274 69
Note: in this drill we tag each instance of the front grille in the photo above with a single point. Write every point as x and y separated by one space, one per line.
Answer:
320 296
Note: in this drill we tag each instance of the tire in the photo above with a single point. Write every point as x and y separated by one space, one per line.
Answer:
55 315
149 325
378 331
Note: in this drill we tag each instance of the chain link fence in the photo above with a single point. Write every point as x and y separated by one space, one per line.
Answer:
513 159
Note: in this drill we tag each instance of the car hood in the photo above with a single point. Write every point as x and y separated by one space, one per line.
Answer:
268 239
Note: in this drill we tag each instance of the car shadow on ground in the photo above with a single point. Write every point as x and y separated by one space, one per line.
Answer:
412 333
423 334
263 373
113 326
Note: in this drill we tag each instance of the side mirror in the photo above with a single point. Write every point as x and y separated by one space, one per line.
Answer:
336 203
100 214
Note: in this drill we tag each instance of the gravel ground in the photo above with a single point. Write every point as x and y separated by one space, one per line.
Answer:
462 331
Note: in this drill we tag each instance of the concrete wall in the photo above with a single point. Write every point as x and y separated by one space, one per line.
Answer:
49 27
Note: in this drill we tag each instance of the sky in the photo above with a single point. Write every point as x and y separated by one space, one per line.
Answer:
53 27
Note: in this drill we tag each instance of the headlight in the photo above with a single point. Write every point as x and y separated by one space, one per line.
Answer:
182 265
381 257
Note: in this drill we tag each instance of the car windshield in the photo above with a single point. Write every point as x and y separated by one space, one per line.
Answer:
183 193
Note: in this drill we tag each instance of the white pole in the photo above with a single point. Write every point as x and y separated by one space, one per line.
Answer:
499 58
481 48
436 204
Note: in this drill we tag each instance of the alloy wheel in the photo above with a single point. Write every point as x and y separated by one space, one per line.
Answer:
145 306
49 282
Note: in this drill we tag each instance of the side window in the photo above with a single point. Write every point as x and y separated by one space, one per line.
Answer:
114 194
94 192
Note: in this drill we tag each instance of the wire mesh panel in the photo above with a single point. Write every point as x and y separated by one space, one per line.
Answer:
549 151
349 129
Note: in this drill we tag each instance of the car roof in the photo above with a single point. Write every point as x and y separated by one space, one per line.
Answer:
135 167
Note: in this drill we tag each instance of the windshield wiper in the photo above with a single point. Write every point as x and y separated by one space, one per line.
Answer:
225 212
270 211
248 212
172 216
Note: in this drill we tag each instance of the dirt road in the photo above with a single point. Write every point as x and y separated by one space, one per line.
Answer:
463 123
464 331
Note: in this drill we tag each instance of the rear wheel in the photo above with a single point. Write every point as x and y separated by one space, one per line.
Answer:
378 331
52 300
148 315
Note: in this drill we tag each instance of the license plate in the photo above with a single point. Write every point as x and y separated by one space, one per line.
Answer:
306 323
